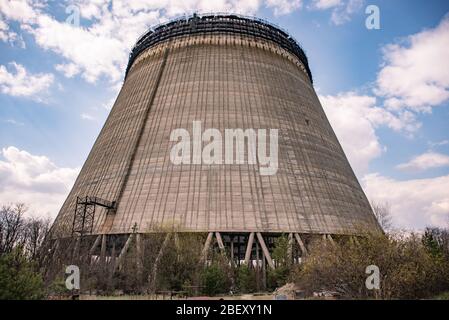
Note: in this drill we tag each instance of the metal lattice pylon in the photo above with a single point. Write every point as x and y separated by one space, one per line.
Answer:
83 220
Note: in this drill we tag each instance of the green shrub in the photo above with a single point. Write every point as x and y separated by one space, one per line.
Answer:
443 296
57 287
277 277
18 280
246 279
407 269
179 262
280 252
214 280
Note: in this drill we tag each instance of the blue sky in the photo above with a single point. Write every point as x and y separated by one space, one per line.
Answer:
386 91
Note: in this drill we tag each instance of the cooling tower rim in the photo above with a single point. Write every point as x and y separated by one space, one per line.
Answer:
218 23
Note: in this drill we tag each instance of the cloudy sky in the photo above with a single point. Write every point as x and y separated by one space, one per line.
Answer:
386 91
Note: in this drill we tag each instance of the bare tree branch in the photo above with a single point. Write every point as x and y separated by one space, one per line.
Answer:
382 212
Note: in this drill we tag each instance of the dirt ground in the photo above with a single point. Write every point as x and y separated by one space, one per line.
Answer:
166 297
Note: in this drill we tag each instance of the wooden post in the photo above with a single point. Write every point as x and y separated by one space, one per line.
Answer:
265 250
249 248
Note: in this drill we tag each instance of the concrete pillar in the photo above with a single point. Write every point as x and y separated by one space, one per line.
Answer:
265 250
301 244
206 247
95 245
249 248
103 249
220 241
123 252
139 256
290 248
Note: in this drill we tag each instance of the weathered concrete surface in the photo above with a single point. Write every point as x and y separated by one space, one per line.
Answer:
224 81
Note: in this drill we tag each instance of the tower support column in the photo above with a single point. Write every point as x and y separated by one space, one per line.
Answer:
265 250
249 248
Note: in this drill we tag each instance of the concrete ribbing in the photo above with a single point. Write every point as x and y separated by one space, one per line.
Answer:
225 81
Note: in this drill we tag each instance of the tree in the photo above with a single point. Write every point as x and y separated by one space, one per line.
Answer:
35 232
12 225
407 269
246 279
18 280
281 249
214 280
21 238
282 259
436 240
382 212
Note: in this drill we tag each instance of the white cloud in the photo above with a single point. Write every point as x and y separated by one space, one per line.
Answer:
68 69
341 10
438 143
355 119
177 7
13 122
86 116
415 74
20 83
20 10
91 9
413 79
344 12
94 52
109 104
34 180
282 7
347 114
415 204
11 37
101 48
325 4
425 161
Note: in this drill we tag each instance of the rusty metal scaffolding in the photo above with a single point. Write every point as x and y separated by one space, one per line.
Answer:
83 219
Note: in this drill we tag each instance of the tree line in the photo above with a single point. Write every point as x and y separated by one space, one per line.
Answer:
412 266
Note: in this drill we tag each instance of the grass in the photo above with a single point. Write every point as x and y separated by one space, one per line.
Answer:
442 296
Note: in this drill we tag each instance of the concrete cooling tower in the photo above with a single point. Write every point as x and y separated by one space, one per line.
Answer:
190 83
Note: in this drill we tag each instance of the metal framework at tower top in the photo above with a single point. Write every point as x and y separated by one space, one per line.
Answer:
83 219
234 24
